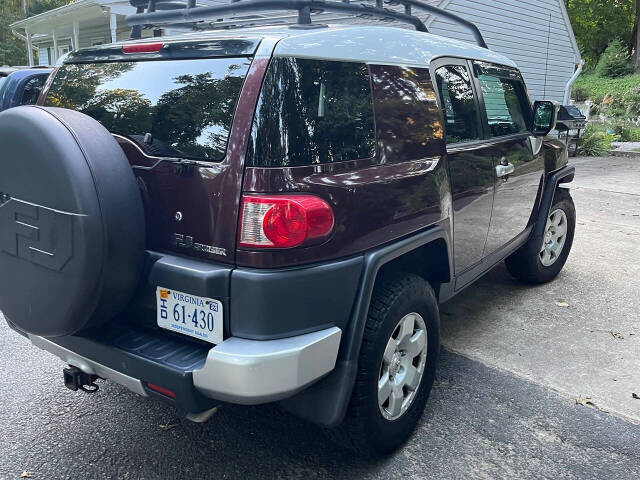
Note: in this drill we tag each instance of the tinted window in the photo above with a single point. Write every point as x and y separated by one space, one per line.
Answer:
506 103
187 105
312 112
32 89
458 104
407 120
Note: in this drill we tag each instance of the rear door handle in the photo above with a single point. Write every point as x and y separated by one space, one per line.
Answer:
504 170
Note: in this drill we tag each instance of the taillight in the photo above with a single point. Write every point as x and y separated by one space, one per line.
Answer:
142 47
283 221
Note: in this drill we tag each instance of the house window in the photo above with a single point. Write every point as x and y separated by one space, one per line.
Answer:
63 50
44 54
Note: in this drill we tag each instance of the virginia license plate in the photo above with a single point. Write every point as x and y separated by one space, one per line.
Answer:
188 314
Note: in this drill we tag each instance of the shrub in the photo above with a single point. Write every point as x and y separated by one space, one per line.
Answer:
614 62
580 93
631 102
626 132
613 106
595 142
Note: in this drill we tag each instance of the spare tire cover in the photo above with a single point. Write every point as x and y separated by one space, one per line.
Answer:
71 222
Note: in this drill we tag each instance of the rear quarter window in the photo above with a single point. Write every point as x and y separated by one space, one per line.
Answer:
186 105
312 112
408 121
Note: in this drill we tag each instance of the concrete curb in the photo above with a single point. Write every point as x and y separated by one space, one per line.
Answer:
625 153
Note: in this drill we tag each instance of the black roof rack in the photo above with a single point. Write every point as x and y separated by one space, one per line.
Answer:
150 13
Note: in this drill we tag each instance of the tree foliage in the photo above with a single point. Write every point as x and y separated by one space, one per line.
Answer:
597 22
12 49
614 62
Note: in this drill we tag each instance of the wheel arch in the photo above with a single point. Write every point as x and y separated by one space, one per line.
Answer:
325 403
563 175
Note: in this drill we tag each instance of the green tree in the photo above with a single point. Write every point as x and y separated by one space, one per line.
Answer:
597 22
13 49
614 62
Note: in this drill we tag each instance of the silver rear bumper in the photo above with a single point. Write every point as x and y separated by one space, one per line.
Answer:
89 366
238 370
260 371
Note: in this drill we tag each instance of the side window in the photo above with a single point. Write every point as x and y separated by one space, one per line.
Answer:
408 124
506 104
32 90
458 104
312 112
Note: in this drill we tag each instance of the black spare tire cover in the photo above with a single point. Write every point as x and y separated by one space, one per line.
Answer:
71 222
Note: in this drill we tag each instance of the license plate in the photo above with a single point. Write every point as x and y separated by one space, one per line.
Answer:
188 314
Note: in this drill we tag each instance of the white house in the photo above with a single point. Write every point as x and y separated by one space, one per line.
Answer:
536 34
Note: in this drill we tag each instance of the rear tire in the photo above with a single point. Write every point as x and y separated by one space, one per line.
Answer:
403 316
538 264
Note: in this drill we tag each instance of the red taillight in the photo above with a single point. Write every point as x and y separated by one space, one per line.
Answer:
283 221
142 47
162 390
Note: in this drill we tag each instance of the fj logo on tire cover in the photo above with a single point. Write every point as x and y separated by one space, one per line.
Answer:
38 234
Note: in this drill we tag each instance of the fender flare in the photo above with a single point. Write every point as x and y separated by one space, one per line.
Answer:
562 175
325 402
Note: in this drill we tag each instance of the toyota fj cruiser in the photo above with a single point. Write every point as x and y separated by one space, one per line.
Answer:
273 213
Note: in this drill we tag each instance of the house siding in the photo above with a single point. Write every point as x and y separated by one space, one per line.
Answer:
533 33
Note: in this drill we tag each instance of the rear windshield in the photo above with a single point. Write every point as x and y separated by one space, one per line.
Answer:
312 112
181 108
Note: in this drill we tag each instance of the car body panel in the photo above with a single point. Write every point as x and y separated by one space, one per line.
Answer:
13 88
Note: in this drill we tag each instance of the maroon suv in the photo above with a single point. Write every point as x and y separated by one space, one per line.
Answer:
273 214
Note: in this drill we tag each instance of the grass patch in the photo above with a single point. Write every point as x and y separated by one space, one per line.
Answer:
593 87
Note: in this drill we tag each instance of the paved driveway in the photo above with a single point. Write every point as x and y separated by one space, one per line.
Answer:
503 405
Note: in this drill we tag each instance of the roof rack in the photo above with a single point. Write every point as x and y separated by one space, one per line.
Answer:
171 12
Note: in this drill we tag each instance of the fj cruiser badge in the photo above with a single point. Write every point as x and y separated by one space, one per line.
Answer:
186 241
38 234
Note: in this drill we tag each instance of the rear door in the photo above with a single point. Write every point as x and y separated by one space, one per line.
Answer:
518 172
174 119
470 159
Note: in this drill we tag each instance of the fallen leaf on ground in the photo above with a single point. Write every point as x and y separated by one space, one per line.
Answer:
168 426
617 335
636 396
562 304
586 402
26 474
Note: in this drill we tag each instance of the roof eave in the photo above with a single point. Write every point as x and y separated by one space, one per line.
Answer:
52 13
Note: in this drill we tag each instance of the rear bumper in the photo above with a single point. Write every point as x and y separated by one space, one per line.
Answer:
261 371
236 371
272 350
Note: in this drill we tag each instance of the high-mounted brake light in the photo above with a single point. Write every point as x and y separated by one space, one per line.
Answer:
283 221
142 47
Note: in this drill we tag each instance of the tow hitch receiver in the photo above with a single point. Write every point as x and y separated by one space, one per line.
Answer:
75 379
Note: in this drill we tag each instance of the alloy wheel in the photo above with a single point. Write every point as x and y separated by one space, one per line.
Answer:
403 363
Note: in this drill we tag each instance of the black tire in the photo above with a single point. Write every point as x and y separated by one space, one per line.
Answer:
365 429
526 264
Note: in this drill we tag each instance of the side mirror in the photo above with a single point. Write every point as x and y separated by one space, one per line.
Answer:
545 115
